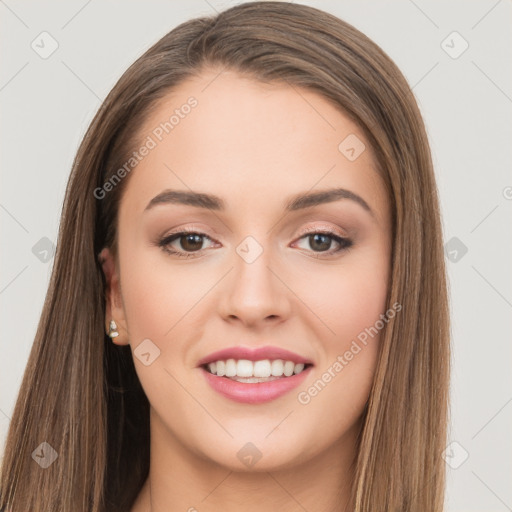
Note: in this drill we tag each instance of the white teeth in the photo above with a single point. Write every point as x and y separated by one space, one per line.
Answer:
298 368
244 370
261 368
288 368
277 367
221 368
230 368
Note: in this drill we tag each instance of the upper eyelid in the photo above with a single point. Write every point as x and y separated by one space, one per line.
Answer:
311 229
323 229
308 231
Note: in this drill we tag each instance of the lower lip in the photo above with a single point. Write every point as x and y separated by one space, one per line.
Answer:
256 392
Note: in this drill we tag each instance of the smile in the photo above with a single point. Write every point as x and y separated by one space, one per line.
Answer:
254 375
243 370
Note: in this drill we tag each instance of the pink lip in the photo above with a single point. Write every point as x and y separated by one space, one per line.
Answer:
257 392
254 354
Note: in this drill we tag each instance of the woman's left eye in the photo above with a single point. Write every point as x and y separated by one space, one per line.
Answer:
191 242
322 240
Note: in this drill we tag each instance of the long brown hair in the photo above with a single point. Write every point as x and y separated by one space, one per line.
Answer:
80 393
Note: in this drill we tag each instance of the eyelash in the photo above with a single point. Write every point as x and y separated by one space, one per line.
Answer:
345 243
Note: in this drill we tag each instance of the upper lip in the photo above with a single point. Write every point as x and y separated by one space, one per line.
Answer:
254 354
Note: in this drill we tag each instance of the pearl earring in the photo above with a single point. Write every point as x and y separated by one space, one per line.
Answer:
112 332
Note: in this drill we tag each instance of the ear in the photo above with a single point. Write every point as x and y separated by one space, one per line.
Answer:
114 309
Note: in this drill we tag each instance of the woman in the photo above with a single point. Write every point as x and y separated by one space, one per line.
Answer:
248 306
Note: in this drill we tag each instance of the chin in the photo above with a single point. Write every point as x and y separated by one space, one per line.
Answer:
253 450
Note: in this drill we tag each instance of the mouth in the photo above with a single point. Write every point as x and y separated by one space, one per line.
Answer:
254 375
252 372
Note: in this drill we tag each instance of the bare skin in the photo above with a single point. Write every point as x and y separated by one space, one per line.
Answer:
255 146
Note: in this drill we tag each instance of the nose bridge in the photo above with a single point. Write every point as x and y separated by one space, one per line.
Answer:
255 292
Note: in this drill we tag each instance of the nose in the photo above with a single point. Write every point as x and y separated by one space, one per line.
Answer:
255 293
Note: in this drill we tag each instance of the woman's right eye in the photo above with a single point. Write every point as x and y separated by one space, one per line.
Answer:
189 241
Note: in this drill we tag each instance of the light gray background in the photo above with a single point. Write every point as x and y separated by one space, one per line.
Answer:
467 105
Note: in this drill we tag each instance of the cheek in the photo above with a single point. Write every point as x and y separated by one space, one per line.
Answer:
159 301
360 299
349 297
350 300
157 295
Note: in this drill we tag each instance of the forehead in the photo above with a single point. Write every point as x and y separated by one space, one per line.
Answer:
249 141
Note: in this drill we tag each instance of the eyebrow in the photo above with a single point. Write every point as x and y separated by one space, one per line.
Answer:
297 202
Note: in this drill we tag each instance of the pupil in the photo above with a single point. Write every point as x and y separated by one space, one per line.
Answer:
319 237
190 239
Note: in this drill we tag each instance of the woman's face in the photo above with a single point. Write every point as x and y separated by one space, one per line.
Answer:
255 275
